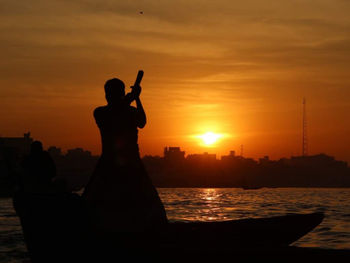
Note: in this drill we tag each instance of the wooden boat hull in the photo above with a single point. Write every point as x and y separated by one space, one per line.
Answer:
59 224
273 231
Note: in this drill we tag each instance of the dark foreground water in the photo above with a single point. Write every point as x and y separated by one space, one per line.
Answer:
205 204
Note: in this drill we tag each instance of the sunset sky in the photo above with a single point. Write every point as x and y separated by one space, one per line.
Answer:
236 68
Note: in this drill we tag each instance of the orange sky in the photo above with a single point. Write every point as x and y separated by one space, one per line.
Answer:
234 67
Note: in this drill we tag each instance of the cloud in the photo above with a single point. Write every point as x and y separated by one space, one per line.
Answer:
245 56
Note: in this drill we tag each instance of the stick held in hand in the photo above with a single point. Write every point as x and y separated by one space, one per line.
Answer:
138 78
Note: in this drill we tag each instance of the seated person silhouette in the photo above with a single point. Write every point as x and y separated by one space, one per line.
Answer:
53 219
120 195
38 171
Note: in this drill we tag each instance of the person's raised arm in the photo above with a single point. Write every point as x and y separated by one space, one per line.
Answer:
140 112
140 115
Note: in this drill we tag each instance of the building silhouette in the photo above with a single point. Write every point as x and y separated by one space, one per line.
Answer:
174 154
54 152
175 169
12 150
17 146
204 158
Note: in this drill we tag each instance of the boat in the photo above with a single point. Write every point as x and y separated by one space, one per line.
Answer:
271 231
58 223
251 187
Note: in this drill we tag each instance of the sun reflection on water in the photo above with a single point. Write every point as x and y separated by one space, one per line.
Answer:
212 204
209 194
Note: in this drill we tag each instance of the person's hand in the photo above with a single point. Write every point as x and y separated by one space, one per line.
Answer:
136 90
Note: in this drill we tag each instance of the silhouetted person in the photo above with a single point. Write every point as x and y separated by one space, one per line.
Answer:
38 170
52 218
120 194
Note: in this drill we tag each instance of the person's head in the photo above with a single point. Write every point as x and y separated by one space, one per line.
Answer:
114 90
36 147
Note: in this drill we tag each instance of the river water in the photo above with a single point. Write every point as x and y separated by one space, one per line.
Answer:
215 204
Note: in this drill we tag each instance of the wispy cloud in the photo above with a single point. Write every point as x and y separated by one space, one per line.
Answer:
201 58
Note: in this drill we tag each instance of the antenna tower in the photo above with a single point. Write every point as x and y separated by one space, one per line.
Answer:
305 141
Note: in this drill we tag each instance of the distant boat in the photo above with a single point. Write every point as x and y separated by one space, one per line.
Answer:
252 187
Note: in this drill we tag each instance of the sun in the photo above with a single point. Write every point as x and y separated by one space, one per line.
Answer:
210 138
